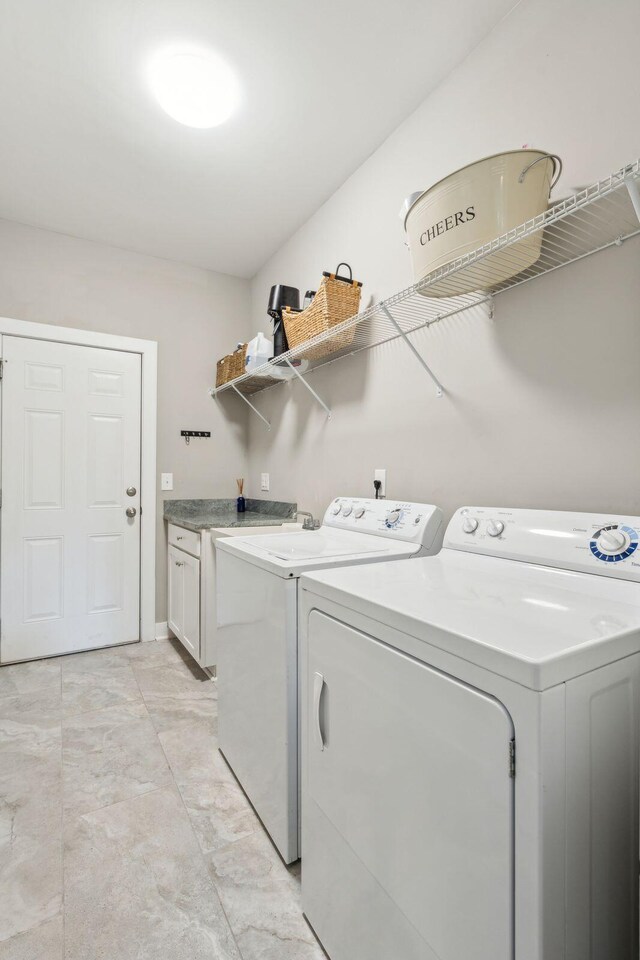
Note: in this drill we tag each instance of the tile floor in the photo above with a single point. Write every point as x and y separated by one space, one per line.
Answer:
123 834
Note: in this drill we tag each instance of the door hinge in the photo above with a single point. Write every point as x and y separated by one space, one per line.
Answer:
1 368
512 758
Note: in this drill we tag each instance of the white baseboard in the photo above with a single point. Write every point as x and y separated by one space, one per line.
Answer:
162 631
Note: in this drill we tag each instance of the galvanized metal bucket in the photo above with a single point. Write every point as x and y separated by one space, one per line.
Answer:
474 206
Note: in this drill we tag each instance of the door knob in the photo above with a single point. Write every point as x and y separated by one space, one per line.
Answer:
131 491
130 511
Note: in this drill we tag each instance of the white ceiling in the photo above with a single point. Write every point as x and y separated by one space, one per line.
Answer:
85 150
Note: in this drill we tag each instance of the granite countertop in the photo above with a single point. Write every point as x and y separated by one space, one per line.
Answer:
202 514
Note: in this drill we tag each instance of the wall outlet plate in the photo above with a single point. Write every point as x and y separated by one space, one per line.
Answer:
264 482
381 475
166 481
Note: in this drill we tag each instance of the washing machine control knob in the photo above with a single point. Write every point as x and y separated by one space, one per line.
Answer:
495 528
392 517
612 541
359 513
346 510
336 510
469 524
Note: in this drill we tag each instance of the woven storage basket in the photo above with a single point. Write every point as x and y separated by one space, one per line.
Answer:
232 366
238 361
222 371
337 299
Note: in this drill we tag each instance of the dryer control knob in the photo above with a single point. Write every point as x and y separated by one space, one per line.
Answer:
336 510
346 510
393 517
469 524
359 513
612 541
495 528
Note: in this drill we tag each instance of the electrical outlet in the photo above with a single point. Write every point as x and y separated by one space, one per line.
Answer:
166 481
264 482
381 475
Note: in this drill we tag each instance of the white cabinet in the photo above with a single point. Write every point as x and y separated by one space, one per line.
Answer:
191 608
175 591
184 599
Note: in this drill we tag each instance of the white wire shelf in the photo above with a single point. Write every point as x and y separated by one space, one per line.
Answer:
603 215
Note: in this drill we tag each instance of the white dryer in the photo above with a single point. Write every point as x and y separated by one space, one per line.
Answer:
470 745
257 608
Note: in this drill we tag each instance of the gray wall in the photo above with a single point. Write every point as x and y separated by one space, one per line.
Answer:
194 315
542 401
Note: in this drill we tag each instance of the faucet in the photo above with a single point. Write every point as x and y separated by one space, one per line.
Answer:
309 523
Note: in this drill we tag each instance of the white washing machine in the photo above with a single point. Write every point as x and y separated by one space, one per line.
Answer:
470 745
257 603
208 617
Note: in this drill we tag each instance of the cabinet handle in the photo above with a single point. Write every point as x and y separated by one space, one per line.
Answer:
318 687
179 563
179 538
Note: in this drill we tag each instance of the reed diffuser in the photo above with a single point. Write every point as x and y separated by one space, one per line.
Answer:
241 501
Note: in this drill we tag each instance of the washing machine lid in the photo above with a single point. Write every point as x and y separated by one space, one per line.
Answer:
290 555
287 527
538 626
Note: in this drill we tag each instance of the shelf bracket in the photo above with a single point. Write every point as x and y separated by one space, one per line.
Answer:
249 404
491 310
634 193
309 388
392 319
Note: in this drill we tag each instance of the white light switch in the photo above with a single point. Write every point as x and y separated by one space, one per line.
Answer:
166 481
381 475
264 482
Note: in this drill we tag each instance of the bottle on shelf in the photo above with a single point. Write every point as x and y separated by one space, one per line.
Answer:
259 351
240 502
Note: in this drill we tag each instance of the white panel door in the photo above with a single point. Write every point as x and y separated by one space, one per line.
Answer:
70 556
407 819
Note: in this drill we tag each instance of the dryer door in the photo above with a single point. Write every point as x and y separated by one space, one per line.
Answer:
407 841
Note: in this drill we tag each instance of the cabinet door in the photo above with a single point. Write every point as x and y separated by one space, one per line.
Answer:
191 604
175 591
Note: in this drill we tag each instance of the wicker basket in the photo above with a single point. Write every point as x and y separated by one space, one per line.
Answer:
239 361
232 366
337 299
222 371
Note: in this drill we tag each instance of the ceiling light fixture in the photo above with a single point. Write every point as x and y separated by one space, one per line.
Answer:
195 87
